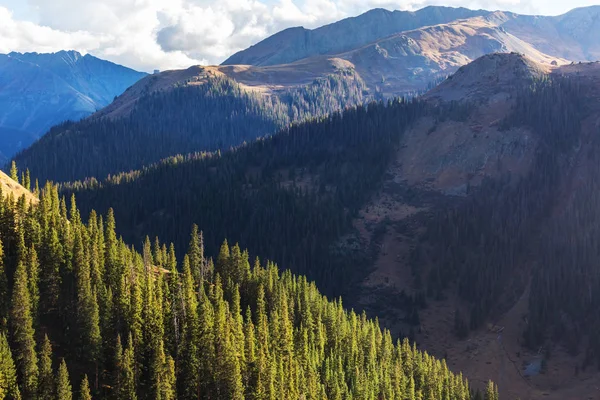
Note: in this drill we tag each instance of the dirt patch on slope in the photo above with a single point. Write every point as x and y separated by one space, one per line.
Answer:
9 186
452 156
435 165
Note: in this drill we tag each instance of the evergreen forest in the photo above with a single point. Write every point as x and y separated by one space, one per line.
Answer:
185 118
84 315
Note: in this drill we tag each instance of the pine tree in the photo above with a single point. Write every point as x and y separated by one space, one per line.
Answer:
127 386
163 375
196 255
206 343
87 304
8 372
188 381
33 280
491 391
46 377
50 279
64 390
14 172
4 294
117 367
23 334
27 180
84 391
222 267
111 248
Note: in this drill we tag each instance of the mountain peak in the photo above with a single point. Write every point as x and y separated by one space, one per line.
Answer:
488 77
350 33
42 89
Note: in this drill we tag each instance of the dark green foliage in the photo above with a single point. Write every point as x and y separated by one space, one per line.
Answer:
292 343
537 230
64 391
215 115
4 292
288 197
14 172
22 333
8 372
84 391
46 376
491 391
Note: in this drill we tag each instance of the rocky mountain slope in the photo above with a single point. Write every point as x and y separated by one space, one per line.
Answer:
571 36
297 43
38 91
401 52
491 194
410 61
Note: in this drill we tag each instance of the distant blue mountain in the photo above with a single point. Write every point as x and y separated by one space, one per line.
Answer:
38 91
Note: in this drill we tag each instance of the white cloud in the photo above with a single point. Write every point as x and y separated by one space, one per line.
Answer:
163 34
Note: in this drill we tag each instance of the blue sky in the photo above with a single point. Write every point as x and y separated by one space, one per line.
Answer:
164 34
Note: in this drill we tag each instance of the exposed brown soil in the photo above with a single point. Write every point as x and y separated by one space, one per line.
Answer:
9 186
443 158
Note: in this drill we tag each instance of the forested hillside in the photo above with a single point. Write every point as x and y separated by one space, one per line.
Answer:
295 198
83 315
482 244
289 197
187 117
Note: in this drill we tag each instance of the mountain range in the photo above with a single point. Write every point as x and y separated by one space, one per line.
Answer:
570 36
438 215
437 169
38 91
377 55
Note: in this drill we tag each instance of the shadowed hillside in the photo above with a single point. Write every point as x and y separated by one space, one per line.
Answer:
440 211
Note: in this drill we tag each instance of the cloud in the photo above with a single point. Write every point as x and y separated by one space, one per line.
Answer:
165 34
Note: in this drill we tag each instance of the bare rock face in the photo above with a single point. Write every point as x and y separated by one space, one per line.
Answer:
38 91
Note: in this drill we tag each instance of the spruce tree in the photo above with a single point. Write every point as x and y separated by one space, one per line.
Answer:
33 280
23 334
8 371
64 391
27 180
87 305
14 172
46 376
196 254
491 391
4 294
84 391
127 385
189 360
